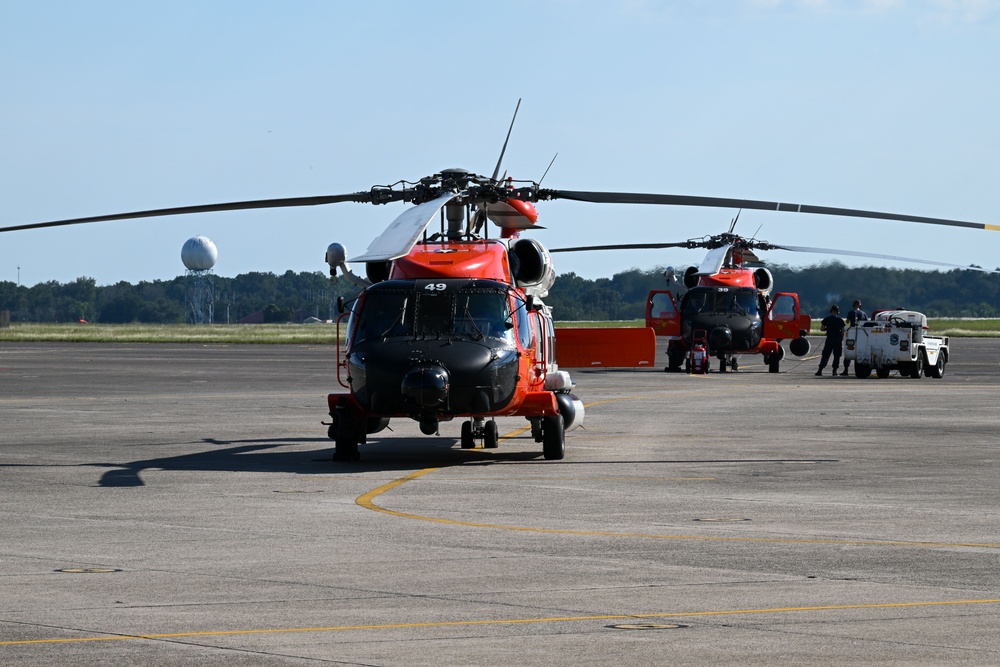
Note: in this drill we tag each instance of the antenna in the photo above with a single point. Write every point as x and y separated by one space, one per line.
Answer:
503 150
547 168
732 226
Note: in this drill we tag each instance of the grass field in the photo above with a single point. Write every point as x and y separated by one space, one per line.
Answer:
271 334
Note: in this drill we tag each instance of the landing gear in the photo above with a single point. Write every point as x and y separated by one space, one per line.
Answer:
468 440
477 428
347 432
491 437
553 438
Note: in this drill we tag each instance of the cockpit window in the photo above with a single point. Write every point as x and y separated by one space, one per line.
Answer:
473 312
385 315
720 301
482 314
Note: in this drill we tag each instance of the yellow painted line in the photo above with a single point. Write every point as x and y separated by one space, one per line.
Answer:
368 502
504 621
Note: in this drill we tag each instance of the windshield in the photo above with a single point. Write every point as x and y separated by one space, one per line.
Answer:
720 301
472 312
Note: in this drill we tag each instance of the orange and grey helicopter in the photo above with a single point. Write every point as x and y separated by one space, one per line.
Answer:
452 324
730 308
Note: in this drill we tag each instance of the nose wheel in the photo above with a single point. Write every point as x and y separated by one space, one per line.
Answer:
477 428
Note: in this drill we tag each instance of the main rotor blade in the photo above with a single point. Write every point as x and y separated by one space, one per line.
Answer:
402 233
722 202
625 246
206 208
856 253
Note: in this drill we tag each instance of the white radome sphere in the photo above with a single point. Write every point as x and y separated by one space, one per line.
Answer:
199 253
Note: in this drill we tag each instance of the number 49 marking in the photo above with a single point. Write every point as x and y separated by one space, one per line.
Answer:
435 287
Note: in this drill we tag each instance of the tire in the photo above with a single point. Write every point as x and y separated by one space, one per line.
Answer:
346 441
917 367
491 437
468 442
862 371
882 372
722 364
937 371
553 438
774 363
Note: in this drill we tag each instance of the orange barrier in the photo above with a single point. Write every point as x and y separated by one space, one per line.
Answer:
596 348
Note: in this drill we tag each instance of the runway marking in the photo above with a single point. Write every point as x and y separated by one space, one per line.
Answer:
502 621
367 501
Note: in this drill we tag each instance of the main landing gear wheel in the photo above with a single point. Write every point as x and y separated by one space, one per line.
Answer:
491 436
346 438
553 438
468 441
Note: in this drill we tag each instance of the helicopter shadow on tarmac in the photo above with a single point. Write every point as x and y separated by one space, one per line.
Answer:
271 455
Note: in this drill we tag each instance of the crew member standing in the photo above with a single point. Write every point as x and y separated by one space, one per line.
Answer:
854 316
834 328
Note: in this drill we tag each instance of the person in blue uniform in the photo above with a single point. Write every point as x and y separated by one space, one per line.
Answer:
854 315
833 325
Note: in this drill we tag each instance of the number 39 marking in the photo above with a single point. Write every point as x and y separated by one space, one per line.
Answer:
435 287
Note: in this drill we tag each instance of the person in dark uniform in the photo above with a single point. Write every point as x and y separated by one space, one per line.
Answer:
854 316
834 328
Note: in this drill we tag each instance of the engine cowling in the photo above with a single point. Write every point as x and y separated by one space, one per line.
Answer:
690 277
532 267
764 281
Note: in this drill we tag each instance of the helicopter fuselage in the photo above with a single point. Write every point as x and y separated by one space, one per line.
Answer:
448 334
728 313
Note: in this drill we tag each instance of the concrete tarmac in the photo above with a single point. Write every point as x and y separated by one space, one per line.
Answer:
178 505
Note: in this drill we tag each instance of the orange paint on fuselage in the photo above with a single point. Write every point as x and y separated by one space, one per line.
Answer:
729 278
473 259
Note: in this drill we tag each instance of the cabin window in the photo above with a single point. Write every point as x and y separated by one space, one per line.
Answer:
783 309
662 306
524 335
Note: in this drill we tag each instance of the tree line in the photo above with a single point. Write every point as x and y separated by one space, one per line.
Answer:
954 293
294 296
288 297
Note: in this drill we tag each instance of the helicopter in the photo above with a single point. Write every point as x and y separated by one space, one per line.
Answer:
453 324
730 308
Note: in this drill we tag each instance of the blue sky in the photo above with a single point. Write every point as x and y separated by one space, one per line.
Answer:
110 106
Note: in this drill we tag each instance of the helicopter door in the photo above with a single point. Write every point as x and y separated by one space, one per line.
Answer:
782 319
662 315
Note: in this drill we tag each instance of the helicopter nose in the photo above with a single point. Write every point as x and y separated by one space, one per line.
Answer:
721 338
425 386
